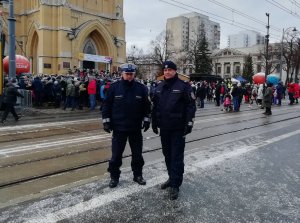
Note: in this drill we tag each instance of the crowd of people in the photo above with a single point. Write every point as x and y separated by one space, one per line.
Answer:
74 90
231 94
77 90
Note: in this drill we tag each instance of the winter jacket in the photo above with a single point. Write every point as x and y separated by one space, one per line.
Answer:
92 87
10 95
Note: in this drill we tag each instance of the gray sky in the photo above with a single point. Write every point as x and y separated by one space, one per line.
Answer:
145 19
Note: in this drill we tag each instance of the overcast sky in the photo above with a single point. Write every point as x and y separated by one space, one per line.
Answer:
145 19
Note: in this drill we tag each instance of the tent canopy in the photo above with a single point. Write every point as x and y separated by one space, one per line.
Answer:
205 77
241 79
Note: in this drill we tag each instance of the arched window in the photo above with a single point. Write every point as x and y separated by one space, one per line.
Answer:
89 47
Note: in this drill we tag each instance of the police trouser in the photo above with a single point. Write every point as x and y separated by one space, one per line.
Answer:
173 143
119 140
9 107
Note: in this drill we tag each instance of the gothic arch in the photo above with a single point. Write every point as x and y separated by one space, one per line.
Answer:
89 47
101 37
33 53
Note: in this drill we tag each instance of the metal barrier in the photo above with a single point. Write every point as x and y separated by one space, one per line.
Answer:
26 101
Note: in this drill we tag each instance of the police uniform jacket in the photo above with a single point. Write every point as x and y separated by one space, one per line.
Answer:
126 106
173 105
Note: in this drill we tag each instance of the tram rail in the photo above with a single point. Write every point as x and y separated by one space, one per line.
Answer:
105 161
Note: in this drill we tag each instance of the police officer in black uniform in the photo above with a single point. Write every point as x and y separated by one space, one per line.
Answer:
126 110
173 112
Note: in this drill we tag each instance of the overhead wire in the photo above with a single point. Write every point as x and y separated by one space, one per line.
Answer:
295 3
282 7
218 18
243 14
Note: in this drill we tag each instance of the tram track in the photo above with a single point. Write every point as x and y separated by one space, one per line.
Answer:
70 128
100 137
104 161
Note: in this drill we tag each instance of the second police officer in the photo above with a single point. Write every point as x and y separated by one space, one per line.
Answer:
126 110
173 113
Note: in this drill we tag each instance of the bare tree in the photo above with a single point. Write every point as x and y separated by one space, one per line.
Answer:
273 58
297 60
290 54
134 54
161 48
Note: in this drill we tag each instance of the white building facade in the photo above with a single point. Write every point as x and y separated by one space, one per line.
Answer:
185 28
247 38
230 62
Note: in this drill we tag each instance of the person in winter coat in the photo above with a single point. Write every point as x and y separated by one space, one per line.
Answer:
82 95
260 95
279 93
48 91
92 91
37 87
218 94
296 94
126 110
267 100
9 99
57 94
200 95
173 114
70 94
291 92
235 97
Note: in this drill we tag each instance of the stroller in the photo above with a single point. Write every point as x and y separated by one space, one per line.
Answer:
227 103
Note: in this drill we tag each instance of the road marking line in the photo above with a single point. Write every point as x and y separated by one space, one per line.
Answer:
48 124
51 144
124 192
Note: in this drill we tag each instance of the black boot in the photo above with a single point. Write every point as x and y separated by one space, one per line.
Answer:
174 191
140 180
113 183
165 185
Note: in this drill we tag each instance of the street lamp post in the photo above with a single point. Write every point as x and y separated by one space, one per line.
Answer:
12 39
267 47
281 49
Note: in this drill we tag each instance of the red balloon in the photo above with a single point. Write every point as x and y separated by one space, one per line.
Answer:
22 64
259 78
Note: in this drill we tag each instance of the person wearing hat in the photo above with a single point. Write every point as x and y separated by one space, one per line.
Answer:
173 113
267 100
9 99
126 110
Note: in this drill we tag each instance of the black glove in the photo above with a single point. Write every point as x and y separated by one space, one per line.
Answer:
107 127
146 126
188 129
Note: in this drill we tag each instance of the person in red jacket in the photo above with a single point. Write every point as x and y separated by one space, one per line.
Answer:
297 91
92 90
291 92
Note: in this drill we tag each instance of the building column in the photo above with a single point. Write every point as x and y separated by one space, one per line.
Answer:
242 67
222 69
231 69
